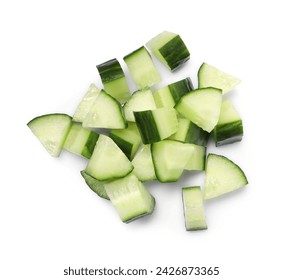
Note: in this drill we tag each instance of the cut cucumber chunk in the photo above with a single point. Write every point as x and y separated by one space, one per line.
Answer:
127 139
108 161
155 125
105 112
95 185
229 128
51 130
189 132
141 100
209 76
169 95
143 165
130 198
113 79
170 49
80 140
169 159
197 158
202 107
142 68
222 176
193 208
86 103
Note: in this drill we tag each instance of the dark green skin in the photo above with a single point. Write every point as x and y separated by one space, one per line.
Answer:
90 144
197 135
110 70
142 48
228 133
180 88
95 185
124 145
147 127
175 53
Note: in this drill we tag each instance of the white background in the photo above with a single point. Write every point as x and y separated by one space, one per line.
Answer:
50 220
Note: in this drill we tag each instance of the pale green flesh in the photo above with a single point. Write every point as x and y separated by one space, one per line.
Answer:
209 76
222 176
130 198
76 139
142 68
108 161
140 101
105 112
143 165
118 89
183 126
202 107
86 103
163 98
166 121
197 158
228 113
169 159
51 130
193 208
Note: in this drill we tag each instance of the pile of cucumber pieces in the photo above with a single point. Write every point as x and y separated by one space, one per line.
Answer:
151 135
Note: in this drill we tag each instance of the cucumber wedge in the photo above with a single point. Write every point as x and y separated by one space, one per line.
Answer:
170 49
140 100
95 185
193 208
105 112
130 198
108 161
197 158
202 107
156 125
80 140
169 95
51 130
143 165
229 128
113 79
127 139
222 176
86 103
209 76
142 68
170 158
189 132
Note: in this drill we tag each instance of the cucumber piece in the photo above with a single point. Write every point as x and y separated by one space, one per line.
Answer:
170 158
140 100
86 103
193 208
108 161
170 49
51 130
229 128
80 140
169 95
143 165
189 132
156 125
197 158
95 185
127 139
142 68
209 76
130 198
202 107
113 79
105 112
222 176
